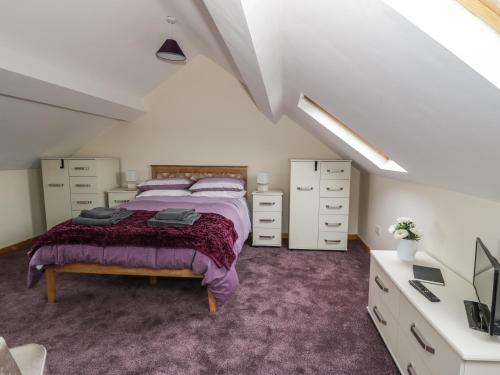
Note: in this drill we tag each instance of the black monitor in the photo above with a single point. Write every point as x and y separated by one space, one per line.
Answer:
486 276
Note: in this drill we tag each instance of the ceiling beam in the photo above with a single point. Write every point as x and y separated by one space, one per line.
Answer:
30 79
252 35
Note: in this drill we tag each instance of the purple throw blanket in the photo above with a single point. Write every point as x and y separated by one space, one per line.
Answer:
212 234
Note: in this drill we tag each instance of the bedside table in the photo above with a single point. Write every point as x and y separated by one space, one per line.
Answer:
120 195
266 218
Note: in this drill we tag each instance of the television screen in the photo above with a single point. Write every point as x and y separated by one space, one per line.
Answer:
486 271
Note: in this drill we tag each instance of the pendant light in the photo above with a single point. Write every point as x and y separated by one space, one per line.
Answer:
170 50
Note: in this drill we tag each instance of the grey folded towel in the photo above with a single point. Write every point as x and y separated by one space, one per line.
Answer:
102 212
115 219
175 214
154 222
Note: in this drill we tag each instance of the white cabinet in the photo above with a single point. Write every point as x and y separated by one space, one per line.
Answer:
120 196
425 337
266 218
319 204
73 184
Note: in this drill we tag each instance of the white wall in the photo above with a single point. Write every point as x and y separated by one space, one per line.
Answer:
451 221
202 115
21 202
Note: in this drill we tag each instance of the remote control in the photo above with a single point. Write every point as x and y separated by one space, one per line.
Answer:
423 289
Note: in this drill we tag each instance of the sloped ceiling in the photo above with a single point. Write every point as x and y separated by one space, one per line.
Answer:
93 57
372 67
390 82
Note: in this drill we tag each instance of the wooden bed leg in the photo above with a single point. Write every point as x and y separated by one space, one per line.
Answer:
50 279
212 302
153 280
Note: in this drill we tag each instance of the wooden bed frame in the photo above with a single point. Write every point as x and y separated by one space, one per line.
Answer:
156 172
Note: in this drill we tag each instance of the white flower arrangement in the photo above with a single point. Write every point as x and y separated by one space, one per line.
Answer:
405 228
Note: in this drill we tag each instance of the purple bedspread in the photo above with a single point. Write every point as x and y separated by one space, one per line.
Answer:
221 281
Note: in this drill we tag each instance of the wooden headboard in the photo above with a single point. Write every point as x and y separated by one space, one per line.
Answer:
159 171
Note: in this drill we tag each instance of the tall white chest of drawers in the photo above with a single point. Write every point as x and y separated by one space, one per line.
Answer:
73 184
427 338
319 204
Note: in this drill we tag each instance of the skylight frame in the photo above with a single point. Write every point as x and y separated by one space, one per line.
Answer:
349 136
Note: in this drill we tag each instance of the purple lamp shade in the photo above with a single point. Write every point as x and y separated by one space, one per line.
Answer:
170 50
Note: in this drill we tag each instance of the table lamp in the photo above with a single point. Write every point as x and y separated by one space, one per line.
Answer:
263 181
131 177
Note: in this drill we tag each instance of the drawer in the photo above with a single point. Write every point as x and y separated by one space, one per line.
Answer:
267 203
263 219
329 206
82 168
86 201
333 223
335 170
436 354
381 285
83 185
266 237
409 361
384 320
334 188
116 199
332 241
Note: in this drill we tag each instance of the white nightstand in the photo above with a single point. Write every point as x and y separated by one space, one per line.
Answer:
120 195
267 213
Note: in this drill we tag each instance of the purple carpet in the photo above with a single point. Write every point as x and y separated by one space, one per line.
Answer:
296 312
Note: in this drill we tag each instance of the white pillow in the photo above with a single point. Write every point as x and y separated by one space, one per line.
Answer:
218 184
219 194
165 193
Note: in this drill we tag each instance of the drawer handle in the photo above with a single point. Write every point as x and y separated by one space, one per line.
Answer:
381 285
84 202
302 188
333 242
83 185
335 170
379 317
421 340
263 237
410 369
121 200
335 225
81 168
328 207
336 189
267 220
55 185
267 203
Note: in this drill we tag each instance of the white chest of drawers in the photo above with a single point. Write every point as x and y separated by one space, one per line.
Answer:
427 338
319 204
266 218
73 184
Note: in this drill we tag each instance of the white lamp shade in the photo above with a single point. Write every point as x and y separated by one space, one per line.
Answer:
263 178
131 176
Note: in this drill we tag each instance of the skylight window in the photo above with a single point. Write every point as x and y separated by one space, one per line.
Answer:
487 10
348 135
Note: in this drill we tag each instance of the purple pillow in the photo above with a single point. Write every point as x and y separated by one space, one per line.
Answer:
218 184
174 183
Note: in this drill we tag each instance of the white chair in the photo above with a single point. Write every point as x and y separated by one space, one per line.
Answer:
22 360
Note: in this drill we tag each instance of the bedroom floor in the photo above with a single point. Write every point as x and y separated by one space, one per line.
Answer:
295 312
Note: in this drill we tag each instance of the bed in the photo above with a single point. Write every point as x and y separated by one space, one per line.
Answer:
156 262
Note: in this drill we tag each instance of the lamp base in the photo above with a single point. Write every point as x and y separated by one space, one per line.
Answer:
131 186
262 187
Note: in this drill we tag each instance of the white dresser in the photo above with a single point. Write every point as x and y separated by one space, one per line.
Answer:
266 218
427 338
73 184
319 204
